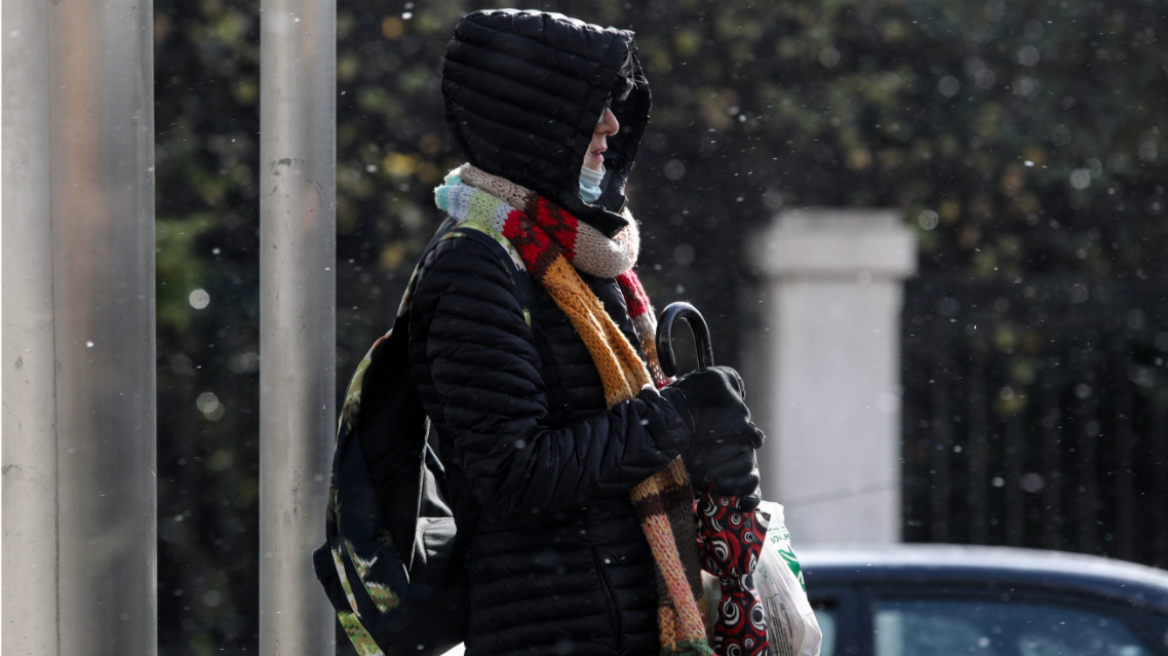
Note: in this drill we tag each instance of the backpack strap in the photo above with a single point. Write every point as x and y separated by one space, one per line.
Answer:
508 257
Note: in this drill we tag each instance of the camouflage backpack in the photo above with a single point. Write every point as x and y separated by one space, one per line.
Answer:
393 561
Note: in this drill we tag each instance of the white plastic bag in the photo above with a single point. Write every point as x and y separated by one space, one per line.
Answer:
791 624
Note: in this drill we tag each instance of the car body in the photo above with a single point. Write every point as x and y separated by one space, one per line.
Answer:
946 600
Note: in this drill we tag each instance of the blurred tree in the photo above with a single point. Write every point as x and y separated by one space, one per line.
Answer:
206 91
1020 139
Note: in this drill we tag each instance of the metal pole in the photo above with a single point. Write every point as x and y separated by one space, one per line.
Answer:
30 436
297 317
79 388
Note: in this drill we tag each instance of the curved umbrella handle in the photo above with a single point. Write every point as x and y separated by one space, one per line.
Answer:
701 333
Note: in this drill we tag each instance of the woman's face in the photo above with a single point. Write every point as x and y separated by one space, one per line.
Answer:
594 159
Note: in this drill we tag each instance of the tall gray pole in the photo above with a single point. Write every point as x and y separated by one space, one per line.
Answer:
30 435
297 317
79 548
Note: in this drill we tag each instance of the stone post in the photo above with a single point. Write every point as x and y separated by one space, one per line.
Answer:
829 399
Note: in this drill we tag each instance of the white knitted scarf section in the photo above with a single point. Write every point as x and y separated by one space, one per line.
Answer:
594 253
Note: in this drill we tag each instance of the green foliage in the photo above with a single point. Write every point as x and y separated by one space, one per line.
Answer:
1017 138
1021 139
178 271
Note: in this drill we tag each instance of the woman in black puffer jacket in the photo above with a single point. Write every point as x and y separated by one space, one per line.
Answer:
558 562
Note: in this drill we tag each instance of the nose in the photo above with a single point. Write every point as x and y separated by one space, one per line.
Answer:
608 125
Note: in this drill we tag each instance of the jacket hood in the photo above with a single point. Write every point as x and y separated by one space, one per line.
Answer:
523 92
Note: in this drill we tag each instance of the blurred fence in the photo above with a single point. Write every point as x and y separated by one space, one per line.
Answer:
1036 415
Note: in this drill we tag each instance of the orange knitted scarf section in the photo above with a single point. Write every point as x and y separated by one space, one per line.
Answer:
663 501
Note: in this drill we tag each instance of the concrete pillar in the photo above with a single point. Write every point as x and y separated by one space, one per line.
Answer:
829 399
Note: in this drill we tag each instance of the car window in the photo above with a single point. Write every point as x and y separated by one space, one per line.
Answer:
990 628
826 616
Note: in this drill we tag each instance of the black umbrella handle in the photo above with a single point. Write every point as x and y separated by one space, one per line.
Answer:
701 333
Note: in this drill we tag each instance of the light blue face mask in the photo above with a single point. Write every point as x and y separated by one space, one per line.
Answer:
590 184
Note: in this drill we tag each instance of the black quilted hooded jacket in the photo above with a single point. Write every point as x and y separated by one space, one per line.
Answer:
558 563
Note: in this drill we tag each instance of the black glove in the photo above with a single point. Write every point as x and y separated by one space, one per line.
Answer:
727 463
724 438
737 484
712 403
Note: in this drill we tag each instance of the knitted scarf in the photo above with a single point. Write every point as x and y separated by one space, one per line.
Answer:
551 244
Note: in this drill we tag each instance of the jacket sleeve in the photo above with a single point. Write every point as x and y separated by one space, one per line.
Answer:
485 370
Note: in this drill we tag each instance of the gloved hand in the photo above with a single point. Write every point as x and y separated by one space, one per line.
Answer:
712 403
724 438
730 467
